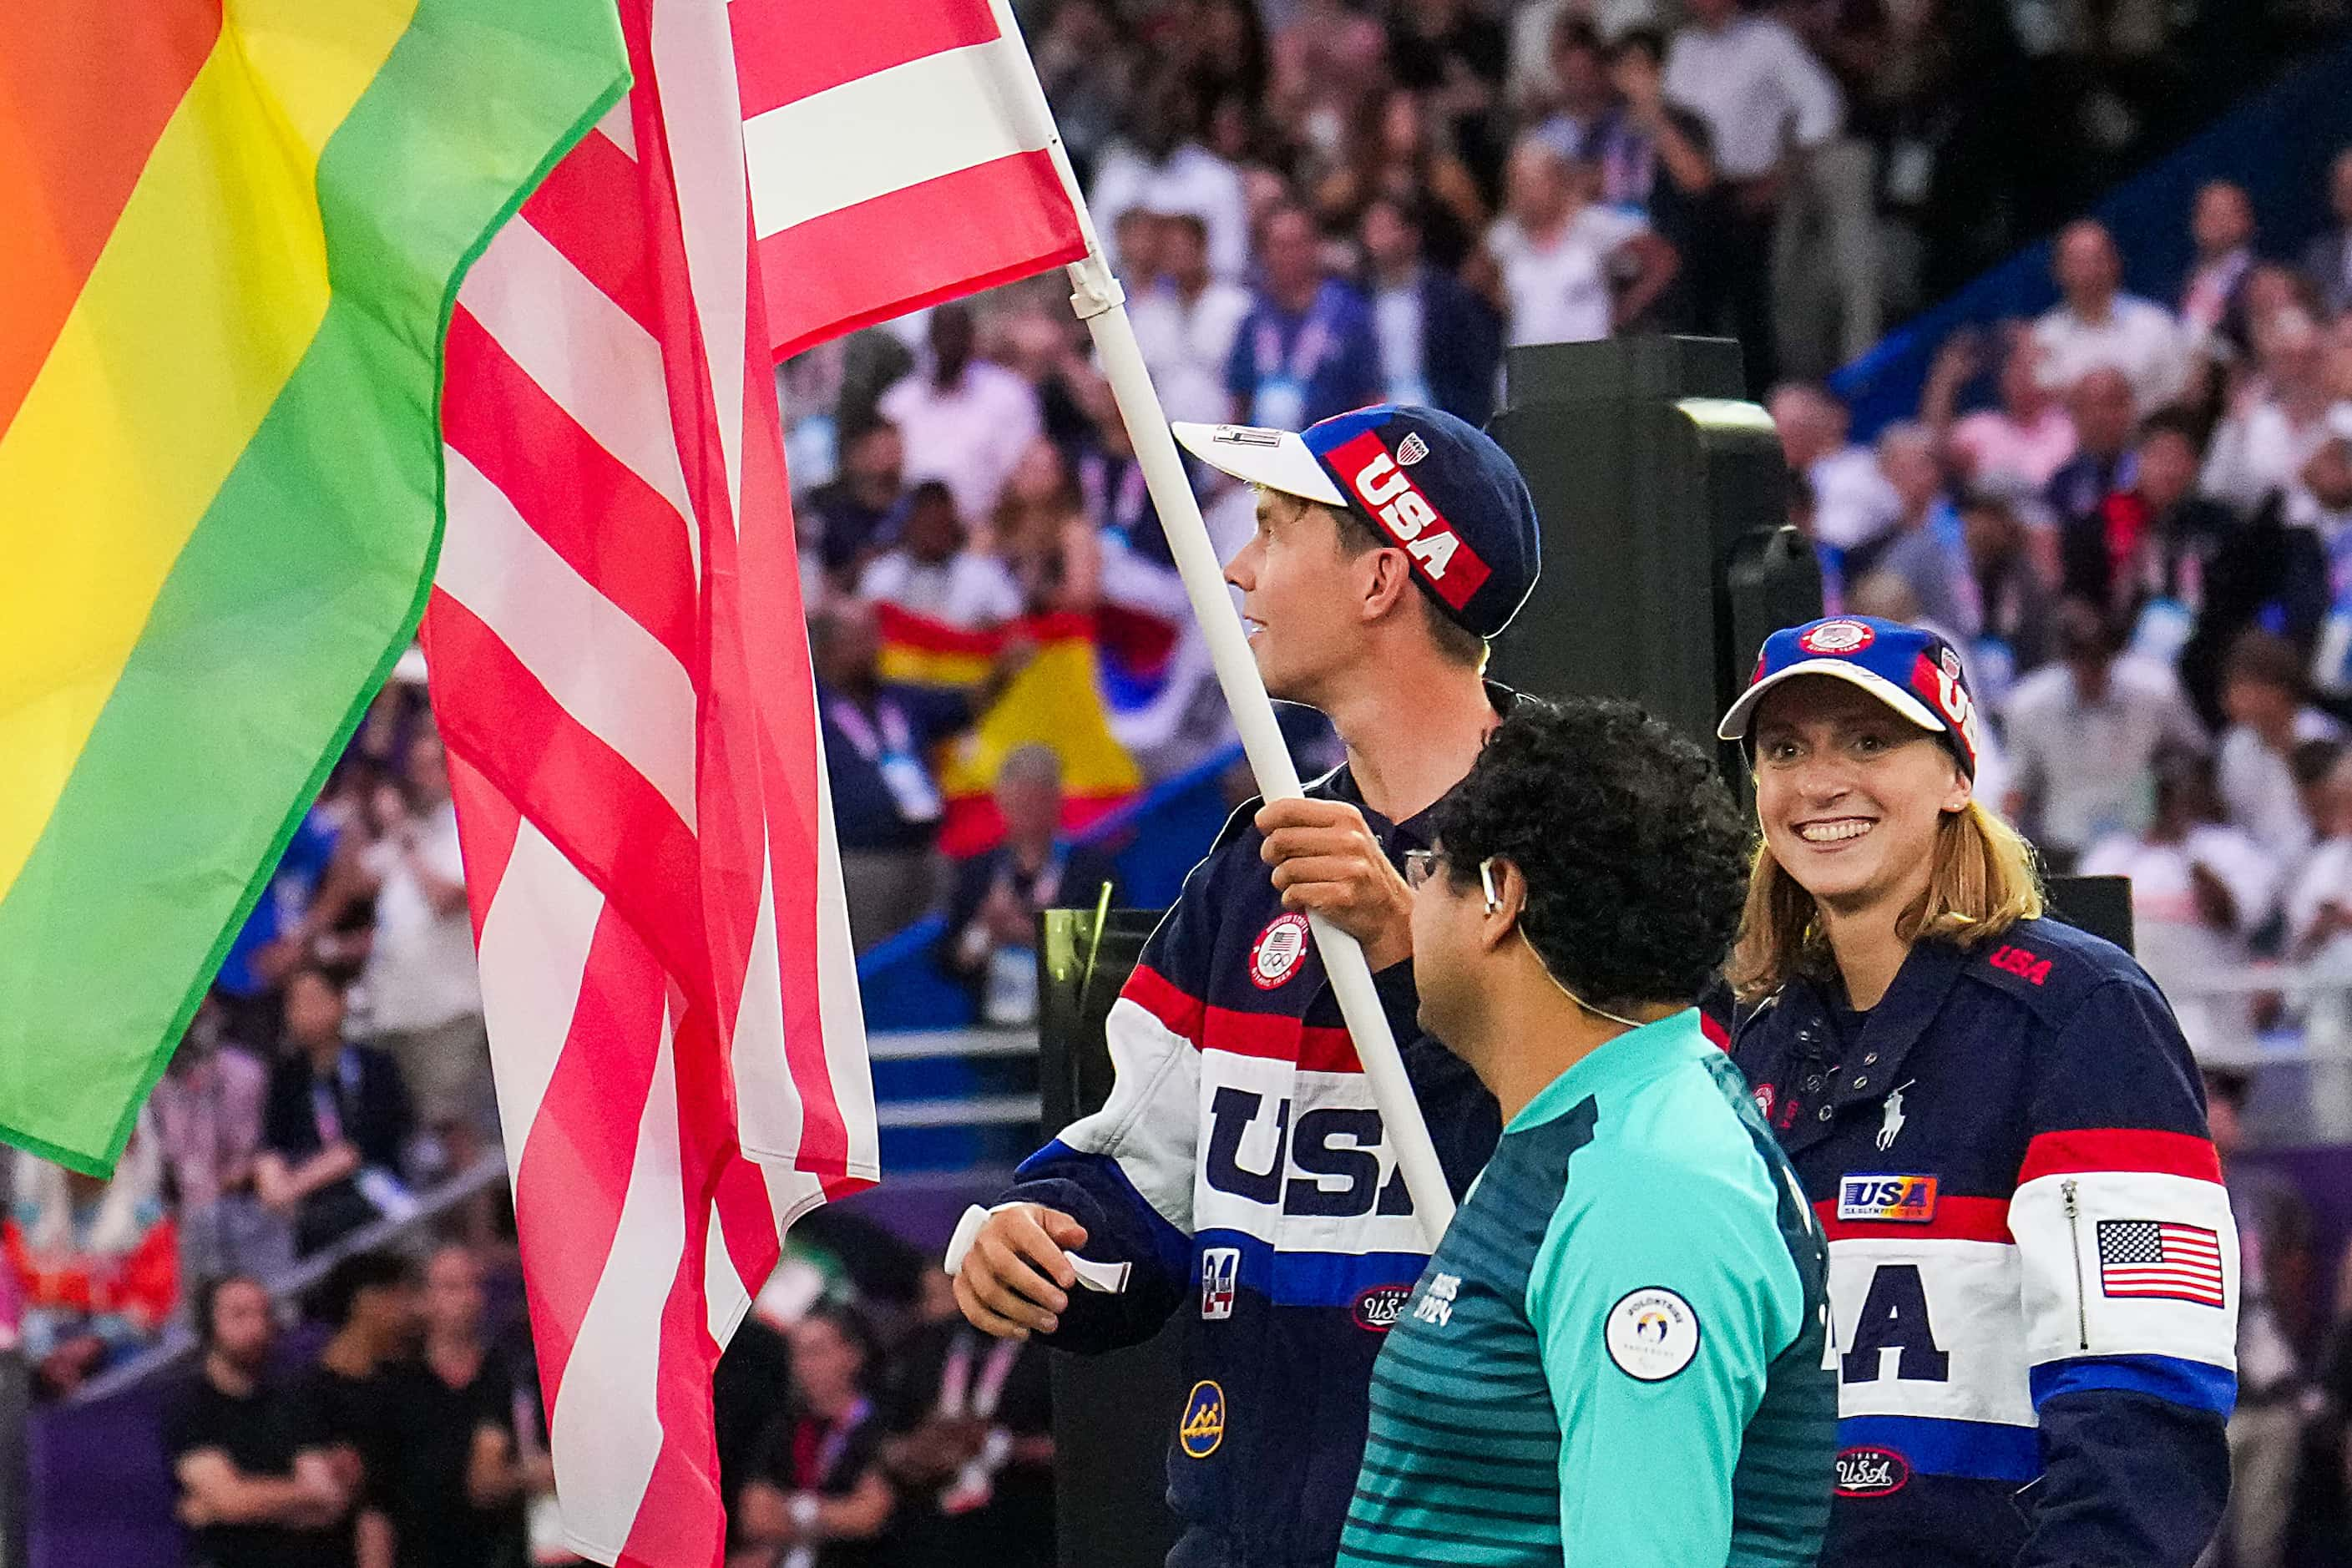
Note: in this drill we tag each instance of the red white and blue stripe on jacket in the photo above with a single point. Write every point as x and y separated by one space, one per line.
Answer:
1241 1167
2033 1273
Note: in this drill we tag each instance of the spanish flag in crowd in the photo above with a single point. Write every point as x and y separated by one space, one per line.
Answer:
1057 700
235 229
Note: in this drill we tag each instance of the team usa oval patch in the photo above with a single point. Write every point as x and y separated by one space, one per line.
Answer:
1838 637
1275 956
1871 1473
1202 1427
1651 1334
1378 1308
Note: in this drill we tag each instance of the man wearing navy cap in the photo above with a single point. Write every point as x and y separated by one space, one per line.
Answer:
1239 1174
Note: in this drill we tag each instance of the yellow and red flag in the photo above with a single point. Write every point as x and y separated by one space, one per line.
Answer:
234 230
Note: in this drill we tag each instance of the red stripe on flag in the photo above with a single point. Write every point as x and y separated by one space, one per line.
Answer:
786 50
588 210
914 247
2120 1149
617 531
487 828
1955 1219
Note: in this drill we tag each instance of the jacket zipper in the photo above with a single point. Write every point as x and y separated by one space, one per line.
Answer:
2074 1232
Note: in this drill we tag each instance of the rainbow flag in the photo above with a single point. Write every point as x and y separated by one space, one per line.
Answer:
234 234
1057 700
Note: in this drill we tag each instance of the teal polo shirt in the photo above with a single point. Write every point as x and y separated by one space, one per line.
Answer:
1617 1354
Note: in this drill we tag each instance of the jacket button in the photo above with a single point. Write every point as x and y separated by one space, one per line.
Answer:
1870 1059
1861 1082
1813 1083
1825 1113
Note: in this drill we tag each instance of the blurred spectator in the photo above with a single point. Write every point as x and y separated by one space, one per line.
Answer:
2275 1266
1853 502
1186 322
1397 157
754 1372
1051 549
963 419
2084 735
1087 71
818 1490
1656 157
851 510
1766 101
992 930
2151 543
2276 424
370 1297
1570 271
2025 438
272 937
931 570
2200 889
1534 23
1925 548
2097 325
206 1110
337 1118
877 744
972 1447
2328 476
1583 102
1161 166
1440 343
96 1263
1307 350
425 996
2319 891
1453 56
455 1476
2212 302
2263 693
2013 600
2328 262
258 1487
2103 413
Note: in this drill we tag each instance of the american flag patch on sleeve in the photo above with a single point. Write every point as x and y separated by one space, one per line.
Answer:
2159 1259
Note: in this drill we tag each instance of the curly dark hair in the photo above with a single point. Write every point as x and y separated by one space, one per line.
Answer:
1635 856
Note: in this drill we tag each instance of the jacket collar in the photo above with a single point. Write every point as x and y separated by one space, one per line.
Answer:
1873 1065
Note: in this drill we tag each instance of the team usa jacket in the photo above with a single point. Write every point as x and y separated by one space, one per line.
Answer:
1241 1168
2033 1275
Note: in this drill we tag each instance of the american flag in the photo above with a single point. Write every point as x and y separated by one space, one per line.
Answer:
620 674
2157 1258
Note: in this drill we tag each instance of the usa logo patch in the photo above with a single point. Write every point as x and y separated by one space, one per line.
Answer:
1887 1199
1276 953
1838 637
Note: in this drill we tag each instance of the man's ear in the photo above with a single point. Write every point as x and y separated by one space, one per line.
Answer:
1390 579
1502 921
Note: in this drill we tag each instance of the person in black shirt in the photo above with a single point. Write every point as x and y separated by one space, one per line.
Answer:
258 1485
991 930
371 1300
334 1123
817 1497
456 1479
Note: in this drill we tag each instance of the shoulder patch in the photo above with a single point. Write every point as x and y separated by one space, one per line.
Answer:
1651 1334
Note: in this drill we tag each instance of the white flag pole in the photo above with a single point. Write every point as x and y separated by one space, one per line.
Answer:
1101 304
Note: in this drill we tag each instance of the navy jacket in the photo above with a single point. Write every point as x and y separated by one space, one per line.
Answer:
1241 1168
2033 1275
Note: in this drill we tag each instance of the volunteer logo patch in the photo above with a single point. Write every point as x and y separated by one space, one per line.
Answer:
1882 1198
1204 1424
1837 637
1651 1334
1872 1472
1276 953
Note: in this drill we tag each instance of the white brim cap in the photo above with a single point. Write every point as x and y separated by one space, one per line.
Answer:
1741 715
1277 459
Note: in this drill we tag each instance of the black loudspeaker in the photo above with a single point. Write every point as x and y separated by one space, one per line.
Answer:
1667 557
1113 1415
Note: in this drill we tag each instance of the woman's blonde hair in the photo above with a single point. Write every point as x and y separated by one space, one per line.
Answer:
1984 881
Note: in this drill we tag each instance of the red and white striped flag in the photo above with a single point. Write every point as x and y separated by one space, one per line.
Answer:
621 674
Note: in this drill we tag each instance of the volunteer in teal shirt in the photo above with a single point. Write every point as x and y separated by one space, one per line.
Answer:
1616 1356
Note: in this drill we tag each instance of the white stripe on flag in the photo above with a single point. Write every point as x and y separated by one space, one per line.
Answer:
594 659
768 1110
880 134
616 126
840 1010
535 940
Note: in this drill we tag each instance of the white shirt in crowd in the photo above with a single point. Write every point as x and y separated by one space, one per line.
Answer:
420 969
2139 338
2171 939
1759 90
1192 180
2085 768
1999 448
1397 322
970 435
2258 787
968 589
1559 293
2260 449
2326 878
1187 346
1853 502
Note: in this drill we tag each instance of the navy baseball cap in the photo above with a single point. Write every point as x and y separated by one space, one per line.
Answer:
1437 488
1910 668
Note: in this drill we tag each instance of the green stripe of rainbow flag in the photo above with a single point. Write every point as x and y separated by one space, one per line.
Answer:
220 476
